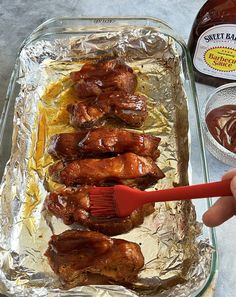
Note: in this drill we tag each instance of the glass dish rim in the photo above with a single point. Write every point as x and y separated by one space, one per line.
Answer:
164 29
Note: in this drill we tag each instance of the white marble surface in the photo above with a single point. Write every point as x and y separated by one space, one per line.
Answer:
20 17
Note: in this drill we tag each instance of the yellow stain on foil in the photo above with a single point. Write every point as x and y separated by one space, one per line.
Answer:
52 91
67 97
33 194
52 118
40 143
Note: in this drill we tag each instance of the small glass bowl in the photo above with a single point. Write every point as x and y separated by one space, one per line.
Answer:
224 95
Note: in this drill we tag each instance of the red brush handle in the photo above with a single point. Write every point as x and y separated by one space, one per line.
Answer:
213 189
128 199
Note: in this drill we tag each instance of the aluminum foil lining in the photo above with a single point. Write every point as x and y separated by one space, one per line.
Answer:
177 262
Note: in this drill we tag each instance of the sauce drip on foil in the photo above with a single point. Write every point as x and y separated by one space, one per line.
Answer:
221 123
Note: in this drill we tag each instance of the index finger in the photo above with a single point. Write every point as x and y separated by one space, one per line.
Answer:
230 174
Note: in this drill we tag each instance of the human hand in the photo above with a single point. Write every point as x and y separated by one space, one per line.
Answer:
225 207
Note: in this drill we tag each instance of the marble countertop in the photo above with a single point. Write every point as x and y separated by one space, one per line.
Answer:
20 17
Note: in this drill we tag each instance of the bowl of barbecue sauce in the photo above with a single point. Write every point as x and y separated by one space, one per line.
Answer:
219 123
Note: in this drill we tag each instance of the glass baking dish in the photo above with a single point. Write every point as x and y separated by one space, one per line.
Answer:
60 28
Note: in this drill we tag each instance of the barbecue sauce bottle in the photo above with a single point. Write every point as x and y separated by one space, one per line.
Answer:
212 43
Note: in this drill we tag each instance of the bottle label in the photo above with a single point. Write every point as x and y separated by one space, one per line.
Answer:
215 52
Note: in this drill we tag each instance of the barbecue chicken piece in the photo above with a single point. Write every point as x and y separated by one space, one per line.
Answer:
95 78
87 257
129 108
100 142
128 169
72 206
